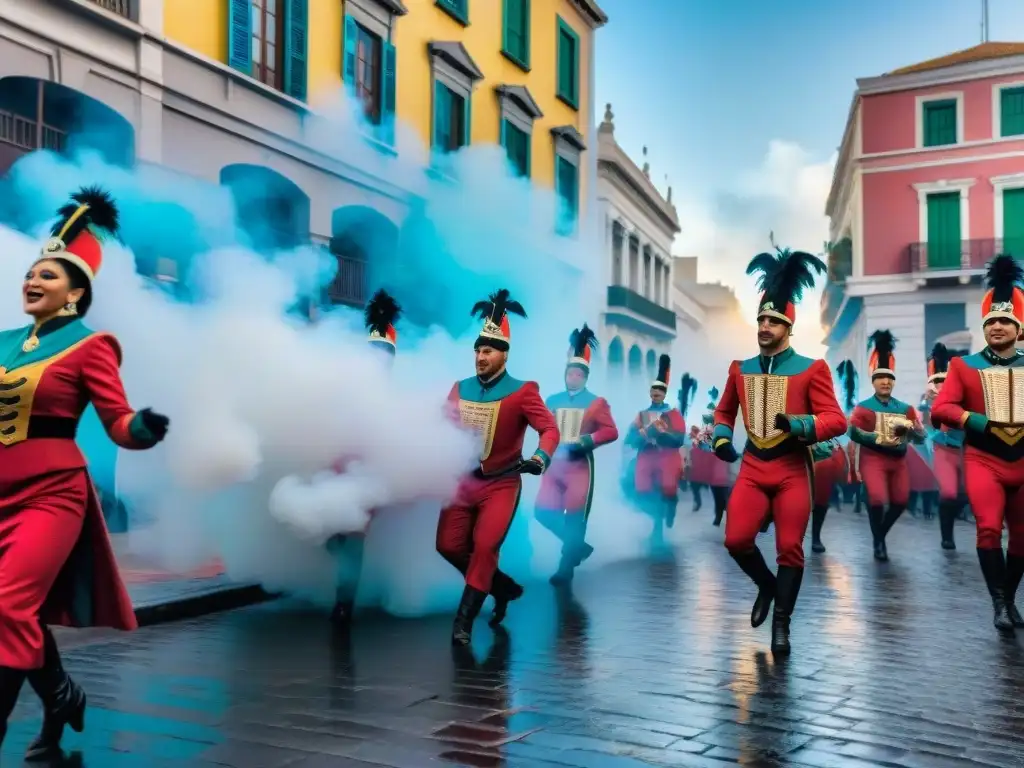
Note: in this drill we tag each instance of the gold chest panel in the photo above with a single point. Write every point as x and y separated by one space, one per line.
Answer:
885 428
1003 389
17 394
764 399
570 423
482 418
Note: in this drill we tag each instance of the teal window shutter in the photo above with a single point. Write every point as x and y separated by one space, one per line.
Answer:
442 118
296 40
515 38
348 57
240 36
467 121
517 147
1011 106
568 66
388 84
567 188
939 123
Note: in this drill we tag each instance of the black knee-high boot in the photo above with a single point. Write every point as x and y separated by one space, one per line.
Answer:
63 702
757 569
947 516
11 681
786 591
993 568
469 609
720 494
891 516
876 515
1014 573
817 521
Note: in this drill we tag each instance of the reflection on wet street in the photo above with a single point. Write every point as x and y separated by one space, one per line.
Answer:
895 664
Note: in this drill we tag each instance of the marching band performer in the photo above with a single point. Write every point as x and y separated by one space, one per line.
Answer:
788 404
947 449
882 426
714 471
567 488
471 529
56 561
978 397
830 463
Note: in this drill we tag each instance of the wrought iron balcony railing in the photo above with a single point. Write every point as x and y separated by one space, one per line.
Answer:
26 133
956 257
623 298
349 284
120 7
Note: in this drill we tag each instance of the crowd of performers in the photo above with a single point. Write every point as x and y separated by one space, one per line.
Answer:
797 445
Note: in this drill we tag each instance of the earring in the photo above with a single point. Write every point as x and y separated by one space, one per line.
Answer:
69 310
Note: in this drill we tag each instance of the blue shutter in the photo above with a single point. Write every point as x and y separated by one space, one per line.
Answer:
387 92
240 35
296 41
348 54
467 120
442 113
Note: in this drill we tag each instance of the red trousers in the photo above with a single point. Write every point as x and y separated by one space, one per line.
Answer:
949 463
827 473
658 469
780 486
567 486
995 489
886 478
471 530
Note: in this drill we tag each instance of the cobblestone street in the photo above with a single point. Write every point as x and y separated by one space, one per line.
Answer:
894 664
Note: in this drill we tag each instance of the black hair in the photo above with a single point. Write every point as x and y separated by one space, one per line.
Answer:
78 279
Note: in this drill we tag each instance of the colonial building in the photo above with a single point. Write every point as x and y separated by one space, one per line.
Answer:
640 224
229 92
929 186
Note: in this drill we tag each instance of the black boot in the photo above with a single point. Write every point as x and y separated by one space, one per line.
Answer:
63 703
10 686
1014 572
891 516
947 516
876 517
993 568
344 607
817 520
469 609
721 497
504 590
786 591
754 566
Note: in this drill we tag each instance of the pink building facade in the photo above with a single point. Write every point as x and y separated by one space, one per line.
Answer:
929 186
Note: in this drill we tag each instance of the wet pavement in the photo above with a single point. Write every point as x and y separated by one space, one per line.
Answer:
644 664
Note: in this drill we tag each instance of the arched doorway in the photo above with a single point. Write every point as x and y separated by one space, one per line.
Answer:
636 361
616 358
270 210
360 237
652 364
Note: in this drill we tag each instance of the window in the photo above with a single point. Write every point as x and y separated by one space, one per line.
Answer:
939 120
567 186
369 73
1011 110
515 42
944 234
457 9
1013 221
454 74
367 77
450 119
568 88
517 147
267 31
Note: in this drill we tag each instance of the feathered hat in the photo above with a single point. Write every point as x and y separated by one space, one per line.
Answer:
81 227
494 312
687 389
782 278
882 361
938 363
1004 298
664 364
382 312
848 377
709 417
582 342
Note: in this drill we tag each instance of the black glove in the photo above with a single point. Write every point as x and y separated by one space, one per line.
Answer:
531 467
726 452
781 422
156 423
900 430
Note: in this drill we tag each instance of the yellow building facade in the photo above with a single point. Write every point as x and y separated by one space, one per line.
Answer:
512 72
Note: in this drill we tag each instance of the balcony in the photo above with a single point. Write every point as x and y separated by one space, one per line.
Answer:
628 308
349 284
120 7
944 261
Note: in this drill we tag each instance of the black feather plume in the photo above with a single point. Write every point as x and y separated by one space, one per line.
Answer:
102 216
848 377
381 311
713 395
580 339
664 369
498 305
687 389
1003 274
783 276
884 344
940 356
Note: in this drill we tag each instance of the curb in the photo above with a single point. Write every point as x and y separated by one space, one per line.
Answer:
194 606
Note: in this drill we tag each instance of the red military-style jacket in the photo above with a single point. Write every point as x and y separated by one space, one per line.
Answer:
584 422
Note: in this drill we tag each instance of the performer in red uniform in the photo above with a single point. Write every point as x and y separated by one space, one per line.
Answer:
56 562
882 426
380 315
713 472
947 446
788 404
657 433
567 488
978 397
830 463
471 529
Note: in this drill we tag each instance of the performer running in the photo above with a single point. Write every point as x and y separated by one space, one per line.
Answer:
947 450
714 472
692 475
978 397
881 426
380 316
788 404
657 433
471 529
830 467
567 488
56 561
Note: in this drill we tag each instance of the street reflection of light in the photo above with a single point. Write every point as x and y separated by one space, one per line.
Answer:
707 609
745 682
843 621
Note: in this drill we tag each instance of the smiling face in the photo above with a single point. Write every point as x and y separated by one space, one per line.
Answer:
772 334
47 288
1001 333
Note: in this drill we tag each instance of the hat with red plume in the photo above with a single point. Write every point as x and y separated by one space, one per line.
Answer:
938 363
382 312
82 224
1004 298
582 342
882 361
782 278
664 366
494 312
848 377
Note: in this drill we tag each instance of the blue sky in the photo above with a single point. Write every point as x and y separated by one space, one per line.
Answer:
707 86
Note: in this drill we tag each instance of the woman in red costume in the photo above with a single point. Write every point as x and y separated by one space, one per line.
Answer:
56 562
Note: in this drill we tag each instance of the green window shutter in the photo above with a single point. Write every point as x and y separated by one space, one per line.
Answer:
348 54
457 8
517 147
1011 104
240 35
515 39
388 84
442 117
467 121
1013 222
296 41
944 231
940 123
568 66
567 188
